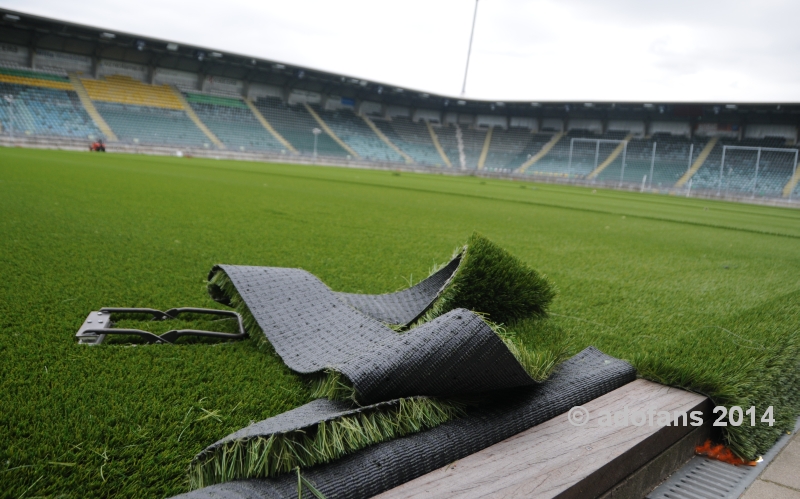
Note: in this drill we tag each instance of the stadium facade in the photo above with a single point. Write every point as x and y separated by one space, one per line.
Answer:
66 85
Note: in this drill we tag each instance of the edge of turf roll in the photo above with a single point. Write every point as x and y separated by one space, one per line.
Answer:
316 433
376 468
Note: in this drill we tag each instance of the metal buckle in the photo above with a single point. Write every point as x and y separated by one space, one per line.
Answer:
98 325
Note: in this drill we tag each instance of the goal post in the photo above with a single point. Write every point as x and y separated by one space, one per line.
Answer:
597 142
746 166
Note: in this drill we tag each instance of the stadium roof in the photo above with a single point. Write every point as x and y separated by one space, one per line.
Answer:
50 34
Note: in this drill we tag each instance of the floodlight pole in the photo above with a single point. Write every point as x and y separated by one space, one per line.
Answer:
652 164
469 50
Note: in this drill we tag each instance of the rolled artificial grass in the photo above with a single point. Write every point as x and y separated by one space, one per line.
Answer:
487 277
514 282
495 283
385 465
322 442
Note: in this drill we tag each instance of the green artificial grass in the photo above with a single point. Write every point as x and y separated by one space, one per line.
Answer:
695 293
281 453
489 279
493 282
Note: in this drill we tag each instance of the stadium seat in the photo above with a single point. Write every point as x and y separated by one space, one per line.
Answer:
126 90
512 147
152 125
295 124
358 135
44 111
412 138
233 123
472 140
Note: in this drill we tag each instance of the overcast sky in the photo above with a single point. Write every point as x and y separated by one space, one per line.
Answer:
612 50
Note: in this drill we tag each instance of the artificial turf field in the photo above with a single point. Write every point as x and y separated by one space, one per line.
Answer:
694 293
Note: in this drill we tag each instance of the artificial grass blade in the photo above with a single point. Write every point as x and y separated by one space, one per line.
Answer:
492 281
276 454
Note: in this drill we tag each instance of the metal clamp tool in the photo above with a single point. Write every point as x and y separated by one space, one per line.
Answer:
98 325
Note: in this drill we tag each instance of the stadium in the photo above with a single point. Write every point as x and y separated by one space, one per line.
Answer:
663 235
66 86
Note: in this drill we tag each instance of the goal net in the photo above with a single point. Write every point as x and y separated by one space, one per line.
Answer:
758 171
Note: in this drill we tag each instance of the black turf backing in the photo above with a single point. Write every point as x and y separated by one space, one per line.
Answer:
406 306
384 466
313 330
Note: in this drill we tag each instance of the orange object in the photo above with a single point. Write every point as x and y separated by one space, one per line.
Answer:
721 453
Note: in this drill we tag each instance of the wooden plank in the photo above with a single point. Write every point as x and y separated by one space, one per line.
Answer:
648 477
558 459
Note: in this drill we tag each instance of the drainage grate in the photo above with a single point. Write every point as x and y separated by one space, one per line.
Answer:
703 478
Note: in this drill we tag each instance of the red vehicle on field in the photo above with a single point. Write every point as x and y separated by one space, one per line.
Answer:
97 146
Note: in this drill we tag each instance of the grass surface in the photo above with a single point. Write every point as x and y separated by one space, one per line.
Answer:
695 293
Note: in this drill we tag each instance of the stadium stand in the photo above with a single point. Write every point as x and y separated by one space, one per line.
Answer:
412 138
152 125
233 123
792 187
295 124
506 147
472 140
126 90
612 165
538 148
324 127
48 105
72 89
144 114
358 135
196 119
34 79
557 159
56 105
672 158
42 105
386 139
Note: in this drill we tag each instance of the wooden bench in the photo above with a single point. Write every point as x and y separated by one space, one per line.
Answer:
559 459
